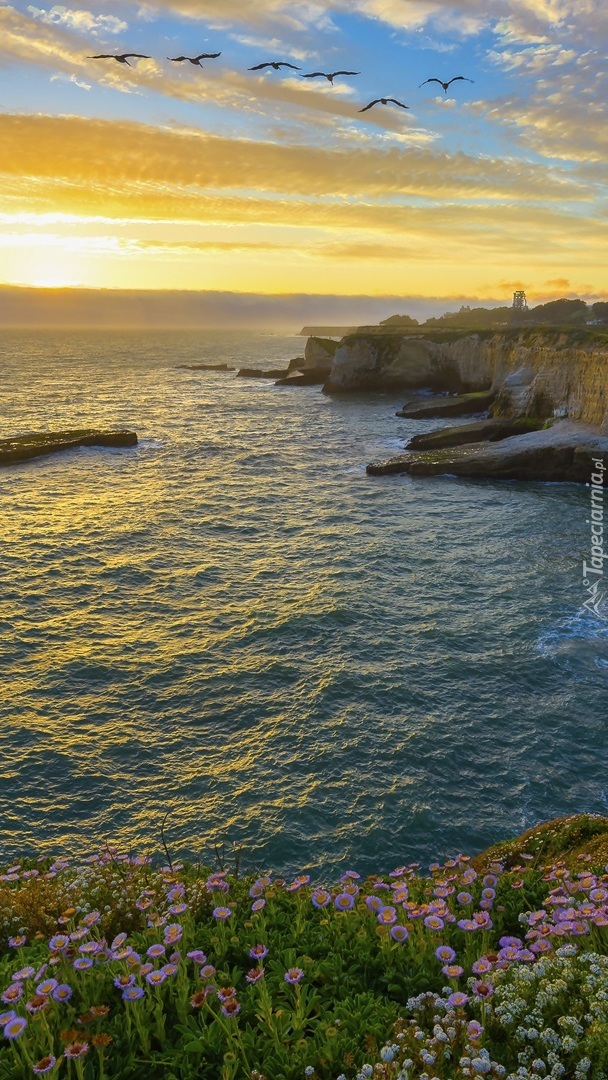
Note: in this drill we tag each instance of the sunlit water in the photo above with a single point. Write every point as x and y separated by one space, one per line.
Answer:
233 624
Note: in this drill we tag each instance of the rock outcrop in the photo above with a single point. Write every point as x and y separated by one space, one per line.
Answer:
538 372
38 444
205 367
308 377
447 405
565 452
262 373
319 353
479 431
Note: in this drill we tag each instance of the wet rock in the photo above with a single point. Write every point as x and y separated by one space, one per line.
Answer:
312 377
479 431
454 405
205 367
565 452
38 444
262 373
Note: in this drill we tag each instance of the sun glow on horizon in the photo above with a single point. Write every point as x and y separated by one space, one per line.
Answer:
159 177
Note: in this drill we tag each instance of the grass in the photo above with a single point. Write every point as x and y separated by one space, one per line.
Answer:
114 967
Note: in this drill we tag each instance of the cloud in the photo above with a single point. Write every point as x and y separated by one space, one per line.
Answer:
294 15
535 59
127 155
82 22
258 95
72 79
565 126
518 20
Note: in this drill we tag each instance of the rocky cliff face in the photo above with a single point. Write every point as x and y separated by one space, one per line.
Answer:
534 373
319 353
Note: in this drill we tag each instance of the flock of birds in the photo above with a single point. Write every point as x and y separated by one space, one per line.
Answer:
276 65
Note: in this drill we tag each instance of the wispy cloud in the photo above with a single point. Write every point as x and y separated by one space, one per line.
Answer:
80 83
82 22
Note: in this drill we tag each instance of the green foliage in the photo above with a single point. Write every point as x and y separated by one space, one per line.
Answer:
399 320
557 312
472 318
244 978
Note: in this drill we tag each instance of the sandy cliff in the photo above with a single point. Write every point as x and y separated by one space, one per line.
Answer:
538 372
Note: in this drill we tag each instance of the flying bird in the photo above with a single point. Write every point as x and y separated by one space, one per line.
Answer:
196 60
384 101
121 57
276 64
330 76
446 84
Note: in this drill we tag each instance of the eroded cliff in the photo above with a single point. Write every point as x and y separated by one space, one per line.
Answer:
540 372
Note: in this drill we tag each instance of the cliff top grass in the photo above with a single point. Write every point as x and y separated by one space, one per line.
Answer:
563 838
114 967
557 336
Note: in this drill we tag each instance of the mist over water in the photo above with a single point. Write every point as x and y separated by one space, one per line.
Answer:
234 624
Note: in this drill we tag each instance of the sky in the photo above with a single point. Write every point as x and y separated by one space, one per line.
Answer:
164 175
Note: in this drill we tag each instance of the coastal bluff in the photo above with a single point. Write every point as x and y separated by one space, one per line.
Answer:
541 372
38 444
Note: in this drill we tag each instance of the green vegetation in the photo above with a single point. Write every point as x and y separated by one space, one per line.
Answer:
399 321
563 313
496 966
473 318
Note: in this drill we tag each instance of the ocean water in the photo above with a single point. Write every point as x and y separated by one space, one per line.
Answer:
233 625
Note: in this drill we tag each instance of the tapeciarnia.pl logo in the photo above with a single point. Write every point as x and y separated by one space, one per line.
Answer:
593 572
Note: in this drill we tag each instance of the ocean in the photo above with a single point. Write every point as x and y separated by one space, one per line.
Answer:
232 626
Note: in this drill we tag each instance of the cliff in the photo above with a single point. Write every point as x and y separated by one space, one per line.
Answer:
533 372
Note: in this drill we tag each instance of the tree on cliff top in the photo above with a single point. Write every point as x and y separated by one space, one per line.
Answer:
475 318
399 320
556 312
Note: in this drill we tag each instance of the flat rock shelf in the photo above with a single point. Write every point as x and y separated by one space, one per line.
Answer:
36 444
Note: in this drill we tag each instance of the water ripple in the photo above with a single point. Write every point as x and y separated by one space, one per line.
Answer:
235 624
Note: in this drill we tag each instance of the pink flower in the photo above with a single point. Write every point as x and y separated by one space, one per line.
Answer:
294 975
458 1000
76 1049
255 974
45 1064
222 913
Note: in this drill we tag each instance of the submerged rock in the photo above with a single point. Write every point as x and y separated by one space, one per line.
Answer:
479 431
37 444
261 373
455 405
205 367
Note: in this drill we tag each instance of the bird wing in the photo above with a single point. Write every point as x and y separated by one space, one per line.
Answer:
334 73
258 67
283 63
141 55
431 80
371 104
457 77
102 56
207 55
399 103
178 58
313 75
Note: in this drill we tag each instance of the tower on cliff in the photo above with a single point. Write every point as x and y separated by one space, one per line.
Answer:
519 301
